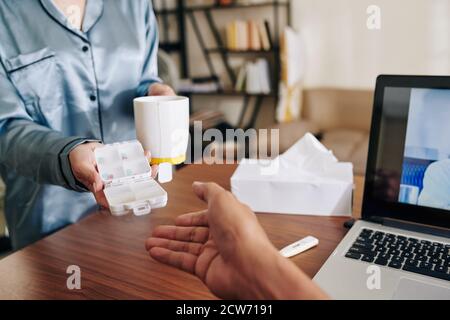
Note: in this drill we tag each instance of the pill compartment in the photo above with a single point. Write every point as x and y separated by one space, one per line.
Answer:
109 163
135 167
147 190
119 196
127 176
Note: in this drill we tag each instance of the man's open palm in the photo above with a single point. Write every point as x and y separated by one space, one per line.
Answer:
227 248
188 246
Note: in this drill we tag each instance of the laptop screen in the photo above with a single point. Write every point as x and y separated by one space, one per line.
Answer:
409 162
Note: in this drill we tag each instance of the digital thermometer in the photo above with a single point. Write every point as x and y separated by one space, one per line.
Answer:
299 247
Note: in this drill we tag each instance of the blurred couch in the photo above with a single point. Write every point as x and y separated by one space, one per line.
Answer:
340 118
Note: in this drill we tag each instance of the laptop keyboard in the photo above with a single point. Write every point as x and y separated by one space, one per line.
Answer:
402 253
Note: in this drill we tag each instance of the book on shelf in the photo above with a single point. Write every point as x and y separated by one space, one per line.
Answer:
255 2
163 5
265 37
241 78
224 2
269 39
254 78
248 36
199 85
254 37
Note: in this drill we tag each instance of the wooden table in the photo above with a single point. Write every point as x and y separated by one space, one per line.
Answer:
114 264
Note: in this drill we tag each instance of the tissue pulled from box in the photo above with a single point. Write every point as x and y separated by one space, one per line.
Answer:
307 180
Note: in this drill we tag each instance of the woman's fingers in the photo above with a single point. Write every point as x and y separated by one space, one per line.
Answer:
101 199
196 219
82 161
155 168
159 89
87 174
186 234
173 245
180 260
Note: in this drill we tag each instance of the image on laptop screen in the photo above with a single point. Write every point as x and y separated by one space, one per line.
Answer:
425 178
413 158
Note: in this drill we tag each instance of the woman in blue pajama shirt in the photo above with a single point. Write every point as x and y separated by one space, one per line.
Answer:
63 90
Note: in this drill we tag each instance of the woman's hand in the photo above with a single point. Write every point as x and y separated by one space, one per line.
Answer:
229 251
159 89
155 168
85 171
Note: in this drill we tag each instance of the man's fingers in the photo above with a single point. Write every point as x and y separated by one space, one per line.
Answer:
206 191
179 260
194 234
197 219
173 245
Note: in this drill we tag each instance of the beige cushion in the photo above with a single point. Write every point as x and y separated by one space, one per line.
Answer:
336 108
360 156
343 142
290 133
348 146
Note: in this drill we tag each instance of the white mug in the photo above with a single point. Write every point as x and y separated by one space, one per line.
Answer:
162 127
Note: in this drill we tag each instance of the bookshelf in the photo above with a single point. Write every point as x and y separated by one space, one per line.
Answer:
252 103
228 51
239 6
178 46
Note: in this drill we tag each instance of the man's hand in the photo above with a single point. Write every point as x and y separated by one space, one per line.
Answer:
159 89
84 168
229 251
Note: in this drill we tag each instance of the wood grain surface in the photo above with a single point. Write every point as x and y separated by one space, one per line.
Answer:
114 264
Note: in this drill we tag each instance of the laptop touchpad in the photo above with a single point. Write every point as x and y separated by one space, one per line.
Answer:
409 289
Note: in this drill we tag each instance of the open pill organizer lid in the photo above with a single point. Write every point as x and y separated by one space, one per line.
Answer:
127 175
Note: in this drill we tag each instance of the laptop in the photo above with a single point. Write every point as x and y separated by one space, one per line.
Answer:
400 249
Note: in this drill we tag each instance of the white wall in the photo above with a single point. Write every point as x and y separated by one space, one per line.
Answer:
342 52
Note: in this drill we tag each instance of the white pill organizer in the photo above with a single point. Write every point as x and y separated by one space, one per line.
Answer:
127 175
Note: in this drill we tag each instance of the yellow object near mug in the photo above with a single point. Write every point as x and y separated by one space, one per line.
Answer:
173 161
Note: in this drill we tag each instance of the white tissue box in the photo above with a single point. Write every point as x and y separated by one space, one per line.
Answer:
309 181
